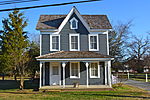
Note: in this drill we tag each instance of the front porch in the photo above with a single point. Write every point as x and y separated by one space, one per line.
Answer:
92 71
72 87
80 88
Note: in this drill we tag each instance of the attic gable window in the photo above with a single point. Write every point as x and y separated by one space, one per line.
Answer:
73 23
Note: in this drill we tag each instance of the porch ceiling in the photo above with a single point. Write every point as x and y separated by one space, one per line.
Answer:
74 55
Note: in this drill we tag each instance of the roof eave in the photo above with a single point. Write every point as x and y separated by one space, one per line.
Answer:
75 59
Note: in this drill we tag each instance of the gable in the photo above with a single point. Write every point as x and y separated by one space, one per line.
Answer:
81 28
73 12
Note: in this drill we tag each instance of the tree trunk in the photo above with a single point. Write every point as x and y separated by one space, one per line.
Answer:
21 82
15 74
15 77
3 76
34 74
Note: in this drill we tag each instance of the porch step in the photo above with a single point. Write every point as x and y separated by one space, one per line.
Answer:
77 89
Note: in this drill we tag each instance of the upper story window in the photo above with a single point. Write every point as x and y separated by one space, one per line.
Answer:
93 42
74 42
54 42
73 23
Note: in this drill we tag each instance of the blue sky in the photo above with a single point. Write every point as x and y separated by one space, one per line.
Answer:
116 10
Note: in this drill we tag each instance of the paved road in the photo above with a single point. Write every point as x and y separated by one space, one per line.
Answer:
139 84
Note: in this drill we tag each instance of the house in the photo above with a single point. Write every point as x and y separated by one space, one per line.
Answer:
74 48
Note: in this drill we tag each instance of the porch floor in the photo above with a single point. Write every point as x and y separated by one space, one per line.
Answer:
80 88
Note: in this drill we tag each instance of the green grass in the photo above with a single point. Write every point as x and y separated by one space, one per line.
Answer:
120 92
12 78
137 79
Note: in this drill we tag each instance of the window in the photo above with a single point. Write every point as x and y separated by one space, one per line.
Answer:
93 42
74 42
73 23
54 42
74 70
94 70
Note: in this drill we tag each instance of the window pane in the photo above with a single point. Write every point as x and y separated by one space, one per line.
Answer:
74 69
74 42
55 70
91 39
55 42
74 24
94 69
93 42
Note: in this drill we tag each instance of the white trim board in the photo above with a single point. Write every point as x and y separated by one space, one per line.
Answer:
40 44
77 59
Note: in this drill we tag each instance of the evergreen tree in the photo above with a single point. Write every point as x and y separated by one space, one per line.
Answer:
14 43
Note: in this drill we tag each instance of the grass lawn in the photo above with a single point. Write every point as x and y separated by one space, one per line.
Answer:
124 92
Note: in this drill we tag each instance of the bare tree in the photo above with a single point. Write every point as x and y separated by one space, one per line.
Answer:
117 42
137 49
147 60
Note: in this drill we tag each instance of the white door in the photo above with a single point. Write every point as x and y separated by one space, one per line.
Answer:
55 77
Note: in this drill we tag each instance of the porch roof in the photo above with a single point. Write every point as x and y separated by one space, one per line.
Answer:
86 55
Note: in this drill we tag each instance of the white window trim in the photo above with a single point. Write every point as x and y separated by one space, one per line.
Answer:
98 70
71 23
78 42
96 41
51 42
78 70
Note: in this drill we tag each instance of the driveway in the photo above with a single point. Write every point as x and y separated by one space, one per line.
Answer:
139 84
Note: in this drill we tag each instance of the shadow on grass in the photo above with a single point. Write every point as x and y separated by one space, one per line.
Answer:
141 97
13 84
90 94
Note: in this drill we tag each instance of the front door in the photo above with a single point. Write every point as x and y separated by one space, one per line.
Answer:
55 78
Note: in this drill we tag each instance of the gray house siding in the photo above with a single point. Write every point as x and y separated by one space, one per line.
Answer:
64 39
83 73
47 74
103 44
45 44
64 35
84 43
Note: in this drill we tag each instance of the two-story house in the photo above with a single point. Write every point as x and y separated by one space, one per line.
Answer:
74 48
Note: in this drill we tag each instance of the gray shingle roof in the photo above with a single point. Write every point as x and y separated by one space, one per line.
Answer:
54 21
72 54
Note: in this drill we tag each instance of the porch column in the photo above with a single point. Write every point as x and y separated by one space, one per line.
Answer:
87 73
44 73
109 74
106 68
63 65
40 74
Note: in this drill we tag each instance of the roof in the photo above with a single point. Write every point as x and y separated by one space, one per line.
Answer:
54 21
72 54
